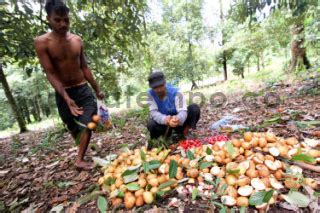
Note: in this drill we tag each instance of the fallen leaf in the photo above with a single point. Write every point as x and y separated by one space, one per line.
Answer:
289 206
73 208
76 189
100 161
4 172
82 176
52 165
316 134
57 209
25 160
59 199
313 205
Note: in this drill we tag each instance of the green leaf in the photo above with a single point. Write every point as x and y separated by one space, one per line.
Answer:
148 187
100 161
260 197
268 196
149 165
120 194
208 151
111 157
297 198
160 193
230 149
218 204
142 155
154 164
123 145
110 181
129 172
133 186
223 209
166 184
223 188
195 193
214 196
130 178
102 204
304 158
88 197
173 168
190 155
210 182
243 209
316 194
233 171
80 124
218 180
204 165
146 167
159 149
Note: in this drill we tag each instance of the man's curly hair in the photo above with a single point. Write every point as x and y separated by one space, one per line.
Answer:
56 6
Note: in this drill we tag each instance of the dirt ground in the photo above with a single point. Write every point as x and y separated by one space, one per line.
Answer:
37 171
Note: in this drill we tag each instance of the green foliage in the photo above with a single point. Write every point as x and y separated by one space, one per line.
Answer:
111 39
174 43
173 167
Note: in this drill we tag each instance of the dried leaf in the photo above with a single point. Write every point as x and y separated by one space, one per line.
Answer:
297 198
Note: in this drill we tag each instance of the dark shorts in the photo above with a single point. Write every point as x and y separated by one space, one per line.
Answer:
83 97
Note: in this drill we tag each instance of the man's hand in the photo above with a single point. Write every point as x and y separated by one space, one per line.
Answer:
168 118
174 121
74 109
100 95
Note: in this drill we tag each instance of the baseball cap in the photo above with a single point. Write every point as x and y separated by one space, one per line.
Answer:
156 79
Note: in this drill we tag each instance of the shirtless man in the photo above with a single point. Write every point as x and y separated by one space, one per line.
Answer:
62 58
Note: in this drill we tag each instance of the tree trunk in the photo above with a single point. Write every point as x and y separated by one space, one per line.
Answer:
34 110
45 110
262 61
298 51
258 63
190 55
27 113
17 114
24 108
242 75
37 105
194 85
225 68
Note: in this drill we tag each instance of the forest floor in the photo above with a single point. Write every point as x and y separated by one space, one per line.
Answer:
37 172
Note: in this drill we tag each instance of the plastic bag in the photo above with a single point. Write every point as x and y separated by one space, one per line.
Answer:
104 115
224 125
222 122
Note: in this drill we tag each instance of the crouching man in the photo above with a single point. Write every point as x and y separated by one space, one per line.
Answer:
168 109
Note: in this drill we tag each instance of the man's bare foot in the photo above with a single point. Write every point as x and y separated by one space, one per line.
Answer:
84 165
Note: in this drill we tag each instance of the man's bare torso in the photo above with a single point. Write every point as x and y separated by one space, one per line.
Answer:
65 56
